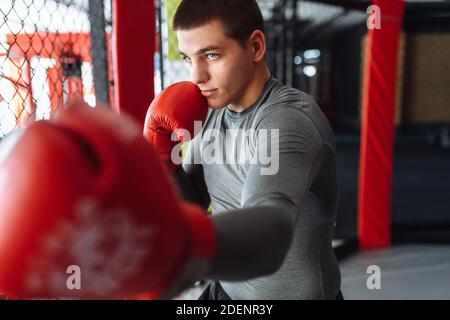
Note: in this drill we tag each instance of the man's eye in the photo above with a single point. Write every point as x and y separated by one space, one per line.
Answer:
187 59
212 56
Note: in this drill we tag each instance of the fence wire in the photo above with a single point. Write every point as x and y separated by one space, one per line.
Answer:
46 57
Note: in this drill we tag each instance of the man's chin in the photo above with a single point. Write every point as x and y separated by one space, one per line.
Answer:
216 104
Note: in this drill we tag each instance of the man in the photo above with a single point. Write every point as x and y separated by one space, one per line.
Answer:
274 220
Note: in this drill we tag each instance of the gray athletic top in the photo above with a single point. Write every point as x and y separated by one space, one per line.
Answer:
274 219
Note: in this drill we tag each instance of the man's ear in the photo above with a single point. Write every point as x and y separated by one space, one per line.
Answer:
257 45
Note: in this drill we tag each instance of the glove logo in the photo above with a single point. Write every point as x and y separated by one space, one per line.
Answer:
106 244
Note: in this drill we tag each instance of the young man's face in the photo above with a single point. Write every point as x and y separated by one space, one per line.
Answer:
219 66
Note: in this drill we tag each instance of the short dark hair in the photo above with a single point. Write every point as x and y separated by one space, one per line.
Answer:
239 17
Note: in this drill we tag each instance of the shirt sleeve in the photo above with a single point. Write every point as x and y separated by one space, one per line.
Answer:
288 153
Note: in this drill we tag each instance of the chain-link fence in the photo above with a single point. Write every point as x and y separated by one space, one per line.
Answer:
52 50
46 57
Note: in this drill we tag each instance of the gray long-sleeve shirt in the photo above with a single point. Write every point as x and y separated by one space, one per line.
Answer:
275 215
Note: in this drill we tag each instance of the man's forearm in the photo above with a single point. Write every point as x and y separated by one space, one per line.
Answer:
252 242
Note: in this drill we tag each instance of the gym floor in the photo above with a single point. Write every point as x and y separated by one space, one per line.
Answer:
407 272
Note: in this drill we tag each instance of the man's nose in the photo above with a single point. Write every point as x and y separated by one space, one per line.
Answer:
199 73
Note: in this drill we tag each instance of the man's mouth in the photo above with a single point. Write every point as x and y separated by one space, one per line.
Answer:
208 92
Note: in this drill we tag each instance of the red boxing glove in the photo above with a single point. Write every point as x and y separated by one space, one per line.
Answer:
174 110
86 210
